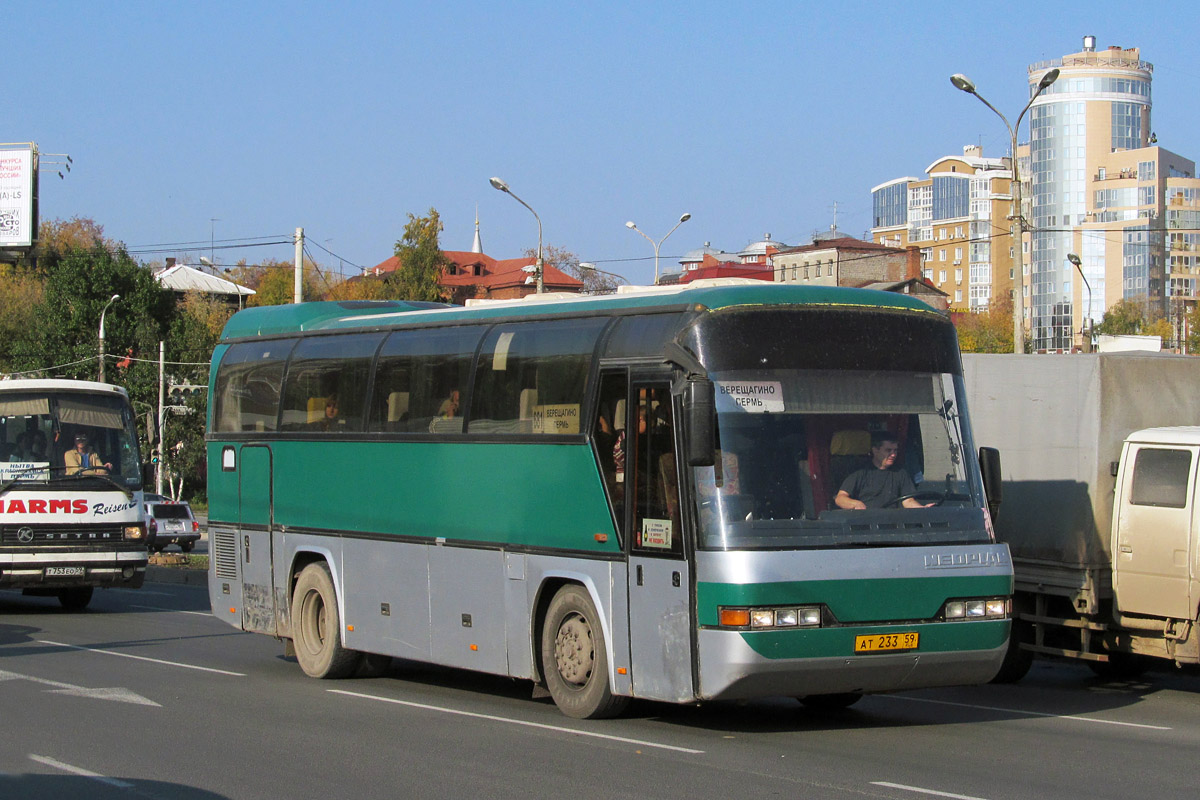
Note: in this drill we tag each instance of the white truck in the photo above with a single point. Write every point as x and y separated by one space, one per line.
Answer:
1100 505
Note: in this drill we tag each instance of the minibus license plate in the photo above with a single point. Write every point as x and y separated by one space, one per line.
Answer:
64 572
886 641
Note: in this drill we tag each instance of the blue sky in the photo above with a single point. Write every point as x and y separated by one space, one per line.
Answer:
755 117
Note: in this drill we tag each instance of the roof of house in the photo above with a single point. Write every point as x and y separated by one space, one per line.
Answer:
843 243
494 273
182 278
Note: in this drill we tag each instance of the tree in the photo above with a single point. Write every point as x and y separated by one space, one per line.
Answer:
58 236
275 282
1125 318
421 260
565 261
989 331
367 287
21 294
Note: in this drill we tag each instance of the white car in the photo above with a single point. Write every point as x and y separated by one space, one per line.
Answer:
170 522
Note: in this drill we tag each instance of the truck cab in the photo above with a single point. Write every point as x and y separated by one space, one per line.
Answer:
1156 560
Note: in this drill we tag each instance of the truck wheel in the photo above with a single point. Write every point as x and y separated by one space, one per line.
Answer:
75 598
575 659
1017 660
317 626
187 547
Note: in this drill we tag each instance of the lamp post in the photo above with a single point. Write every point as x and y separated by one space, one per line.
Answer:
500 185
111 300
963 83
1085 321
587 266
633 227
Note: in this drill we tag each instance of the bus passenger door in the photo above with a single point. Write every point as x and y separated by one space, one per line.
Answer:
254 540
660 620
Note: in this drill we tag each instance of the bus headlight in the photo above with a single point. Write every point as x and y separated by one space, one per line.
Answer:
976 608
762 618
135 533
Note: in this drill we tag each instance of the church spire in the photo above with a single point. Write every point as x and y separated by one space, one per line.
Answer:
477 247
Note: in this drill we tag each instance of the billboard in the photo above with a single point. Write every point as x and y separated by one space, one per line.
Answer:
18 180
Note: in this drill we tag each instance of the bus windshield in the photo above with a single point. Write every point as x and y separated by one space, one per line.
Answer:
789 440
53 437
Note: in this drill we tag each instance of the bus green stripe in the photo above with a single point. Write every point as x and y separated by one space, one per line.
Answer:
854 600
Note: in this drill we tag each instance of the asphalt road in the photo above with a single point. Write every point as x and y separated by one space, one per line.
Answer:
147 696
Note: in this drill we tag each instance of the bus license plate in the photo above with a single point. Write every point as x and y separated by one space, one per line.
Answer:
886 641
64 572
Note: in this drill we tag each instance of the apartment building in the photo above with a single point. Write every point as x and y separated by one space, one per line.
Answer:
1101 188
958 215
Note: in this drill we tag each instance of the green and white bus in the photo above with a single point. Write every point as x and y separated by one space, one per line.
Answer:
614 497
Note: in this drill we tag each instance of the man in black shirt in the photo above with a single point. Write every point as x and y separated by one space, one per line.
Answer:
881 483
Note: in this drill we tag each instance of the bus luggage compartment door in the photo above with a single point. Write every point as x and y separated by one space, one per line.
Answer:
254 540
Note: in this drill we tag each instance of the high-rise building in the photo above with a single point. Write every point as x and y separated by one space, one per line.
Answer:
958 216
1100 188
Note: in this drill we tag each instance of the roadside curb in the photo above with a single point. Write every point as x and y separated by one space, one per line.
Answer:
188 577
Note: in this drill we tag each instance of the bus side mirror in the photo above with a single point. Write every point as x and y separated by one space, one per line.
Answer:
989 468
699 408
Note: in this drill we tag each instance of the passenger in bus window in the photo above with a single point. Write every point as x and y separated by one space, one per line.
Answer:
880 484
449 407
37 446
83 459
331 419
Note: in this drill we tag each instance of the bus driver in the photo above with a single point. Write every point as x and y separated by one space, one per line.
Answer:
880 484
83 459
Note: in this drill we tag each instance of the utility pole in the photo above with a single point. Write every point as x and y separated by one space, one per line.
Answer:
158 468
299 238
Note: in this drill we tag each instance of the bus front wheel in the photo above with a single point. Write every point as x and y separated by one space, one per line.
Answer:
575 658
316 626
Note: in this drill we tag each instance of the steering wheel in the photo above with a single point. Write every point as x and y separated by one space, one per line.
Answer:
937 497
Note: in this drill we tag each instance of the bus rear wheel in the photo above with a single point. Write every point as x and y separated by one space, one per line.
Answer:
575 657
76 598
317 626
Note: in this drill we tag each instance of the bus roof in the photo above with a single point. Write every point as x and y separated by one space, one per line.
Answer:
295 318
59 385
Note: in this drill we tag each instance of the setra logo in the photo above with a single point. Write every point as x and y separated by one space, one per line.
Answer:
25 534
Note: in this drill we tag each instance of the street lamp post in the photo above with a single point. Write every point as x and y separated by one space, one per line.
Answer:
633 227
963 83
1085 322
587 266
111 300
500 185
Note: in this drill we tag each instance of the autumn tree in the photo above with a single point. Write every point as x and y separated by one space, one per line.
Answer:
421 260
367 287
274 282
989 331
21 293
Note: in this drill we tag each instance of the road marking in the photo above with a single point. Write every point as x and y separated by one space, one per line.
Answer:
118 693
925 791
176 610
541 725
144 658
86 773
1023 713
